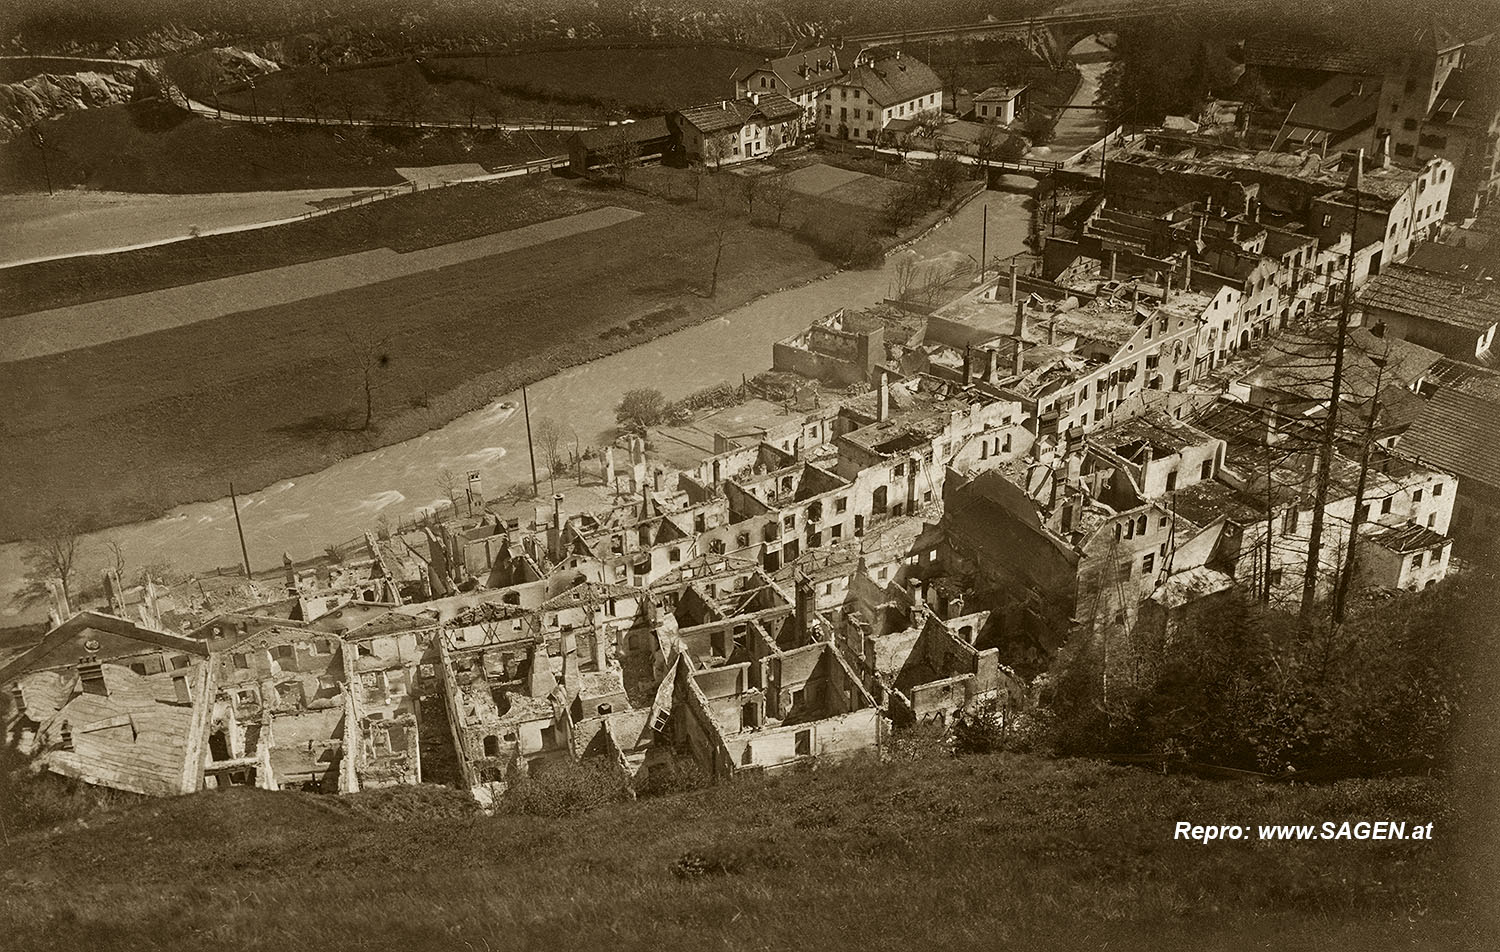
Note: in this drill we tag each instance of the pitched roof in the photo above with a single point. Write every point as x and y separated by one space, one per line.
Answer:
1432 296
1343 103
726 114
644 130
894 79
97 635
1476 381
1458 433
1001 93
718 116
800 70
775 107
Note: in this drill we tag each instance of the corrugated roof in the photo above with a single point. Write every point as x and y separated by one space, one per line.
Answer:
894 79
1458 433
1435 297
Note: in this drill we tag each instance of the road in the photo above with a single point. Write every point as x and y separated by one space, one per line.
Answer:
303 514
535 125
93 323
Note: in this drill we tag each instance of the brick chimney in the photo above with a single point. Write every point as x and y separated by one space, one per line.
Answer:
883 402
1020 320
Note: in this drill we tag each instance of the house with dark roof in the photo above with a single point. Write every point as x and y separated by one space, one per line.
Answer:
1336 116
727 131
1458 431
801 76
1439 310
628 141
877 89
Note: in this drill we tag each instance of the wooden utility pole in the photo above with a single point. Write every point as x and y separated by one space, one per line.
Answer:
239 527
1330 429
530 448
984 242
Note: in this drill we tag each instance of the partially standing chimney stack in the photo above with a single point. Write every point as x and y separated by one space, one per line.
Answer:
1018 365
1187 277
883 403
992 357
1020 320
968 364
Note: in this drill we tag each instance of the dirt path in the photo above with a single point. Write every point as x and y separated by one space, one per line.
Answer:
99 322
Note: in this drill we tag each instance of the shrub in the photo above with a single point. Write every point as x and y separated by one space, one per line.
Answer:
641 408
563 789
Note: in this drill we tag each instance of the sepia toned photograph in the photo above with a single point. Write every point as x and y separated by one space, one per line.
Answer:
658 475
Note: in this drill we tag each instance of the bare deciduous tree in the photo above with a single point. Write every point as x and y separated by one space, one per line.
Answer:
370 356
778 196
620 152
716 151
52 555
552 437
722 228
448 485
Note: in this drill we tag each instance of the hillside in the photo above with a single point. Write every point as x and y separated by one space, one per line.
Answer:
153 147
1003 851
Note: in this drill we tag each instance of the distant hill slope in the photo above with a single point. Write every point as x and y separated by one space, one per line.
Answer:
996 852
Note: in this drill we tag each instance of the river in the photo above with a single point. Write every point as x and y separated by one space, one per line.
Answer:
303 514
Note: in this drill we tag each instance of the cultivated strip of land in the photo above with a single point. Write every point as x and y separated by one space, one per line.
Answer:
98 322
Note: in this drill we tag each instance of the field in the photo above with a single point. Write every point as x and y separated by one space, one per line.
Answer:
984 852
152 147
264 394
585 83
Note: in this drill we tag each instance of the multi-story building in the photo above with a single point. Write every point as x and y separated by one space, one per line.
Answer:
801 76
736 130
876 89
1439 100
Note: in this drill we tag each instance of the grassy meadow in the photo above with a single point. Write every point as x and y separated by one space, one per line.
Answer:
984 852
265 394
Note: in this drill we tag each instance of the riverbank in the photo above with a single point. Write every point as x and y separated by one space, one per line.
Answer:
336 499
260 394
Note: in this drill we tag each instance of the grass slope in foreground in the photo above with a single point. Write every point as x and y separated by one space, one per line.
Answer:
986 852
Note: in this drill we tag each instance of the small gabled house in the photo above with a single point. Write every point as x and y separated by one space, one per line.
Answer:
112 703
1000 104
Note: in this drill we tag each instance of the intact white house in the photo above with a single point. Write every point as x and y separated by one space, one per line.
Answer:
875 91
734 130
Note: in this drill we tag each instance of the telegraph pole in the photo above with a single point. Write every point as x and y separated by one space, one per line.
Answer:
239 527
526 407
984 242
